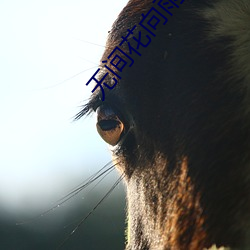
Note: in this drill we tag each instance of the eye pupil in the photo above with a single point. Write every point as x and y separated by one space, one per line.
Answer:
106 125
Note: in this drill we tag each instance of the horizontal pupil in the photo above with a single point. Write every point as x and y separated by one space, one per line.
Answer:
106 125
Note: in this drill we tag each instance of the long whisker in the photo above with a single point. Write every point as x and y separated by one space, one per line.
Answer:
84 41
103 171
92 190
79 189
97 64
89 180
68 79
108 172
93 209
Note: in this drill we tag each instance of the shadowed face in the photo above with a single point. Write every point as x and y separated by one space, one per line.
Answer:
177 119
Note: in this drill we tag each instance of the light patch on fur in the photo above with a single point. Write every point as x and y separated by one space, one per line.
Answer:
231 18
215 248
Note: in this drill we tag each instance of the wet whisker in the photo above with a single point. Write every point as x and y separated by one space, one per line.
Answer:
103 172
91 191
93 209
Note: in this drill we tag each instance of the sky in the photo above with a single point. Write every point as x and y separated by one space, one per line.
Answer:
46 58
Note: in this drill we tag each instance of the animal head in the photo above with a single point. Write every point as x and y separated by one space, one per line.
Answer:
176 111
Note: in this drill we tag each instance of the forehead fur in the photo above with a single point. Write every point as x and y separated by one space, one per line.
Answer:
230 18
129 16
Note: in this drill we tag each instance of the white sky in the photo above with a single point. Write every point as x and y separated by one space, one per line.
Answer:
41 149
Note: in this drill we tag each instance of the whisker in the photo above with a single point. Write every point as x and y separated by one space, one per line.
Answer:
97 64
75 191
79 189
108 172
84 41
68 79
89 180
91 191
93 209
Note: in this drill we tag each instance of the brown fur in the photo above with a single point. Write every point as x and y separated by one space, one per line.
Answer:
185 151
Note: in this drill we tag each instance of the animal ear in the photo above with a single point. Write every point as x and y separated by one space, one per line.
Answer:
109 125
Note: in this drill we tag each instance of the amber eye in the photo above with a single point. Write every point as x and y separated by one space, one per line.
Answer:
109 126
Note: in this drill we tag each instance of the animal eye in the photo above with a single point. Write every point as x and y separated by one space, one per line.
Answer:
109 126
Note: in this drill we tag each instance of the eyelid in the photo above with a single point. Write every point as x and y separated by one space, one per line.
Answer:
105 111
96 104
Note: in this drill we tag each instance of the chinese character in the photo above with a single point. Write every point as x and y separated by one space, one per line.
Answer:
99 83
139 41
168 4
130 32
117 59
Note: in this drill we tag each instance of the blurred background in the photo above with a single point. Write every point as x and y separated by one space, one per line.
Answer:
48 51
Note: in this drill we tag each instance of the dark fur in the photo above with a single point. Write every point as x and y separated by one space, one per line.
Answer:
186 151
